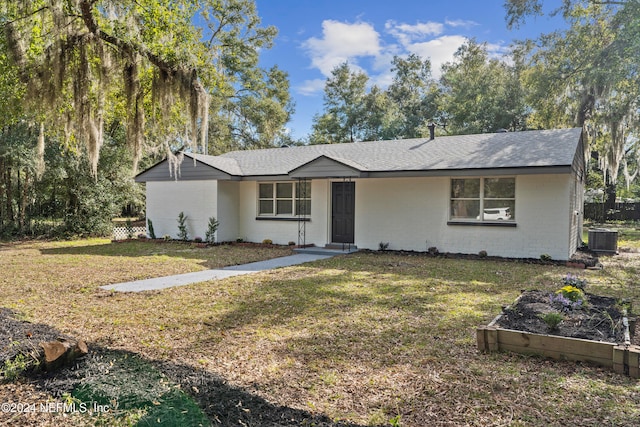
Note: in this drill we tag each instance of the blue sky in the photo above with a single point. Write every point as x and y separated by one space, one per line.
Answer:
315 36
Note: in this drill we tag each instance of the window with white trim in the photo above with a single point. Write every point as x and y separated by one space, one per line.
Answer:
285 199
483 199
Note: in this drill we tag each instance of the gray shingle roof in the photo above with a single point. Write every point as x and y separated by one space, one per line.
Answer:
543 148
225 164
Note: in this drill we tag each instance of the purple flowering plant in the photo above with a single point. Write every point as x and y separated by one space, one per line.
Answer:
562 303
575 281
571 296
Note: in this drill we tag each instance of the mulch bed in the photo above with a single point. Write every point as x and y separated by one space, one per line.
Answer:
21 337
582 258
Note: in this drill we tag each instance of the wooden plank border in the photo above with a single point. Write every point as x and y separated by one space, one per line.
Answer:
622 358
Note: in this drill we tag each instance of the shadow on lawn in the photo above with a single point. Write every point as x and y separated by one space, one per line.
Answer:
215 256
138 248
228 405
169 393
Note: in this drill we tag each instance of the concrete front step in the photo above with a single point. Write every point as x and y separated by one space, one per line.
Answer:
341 246
327 250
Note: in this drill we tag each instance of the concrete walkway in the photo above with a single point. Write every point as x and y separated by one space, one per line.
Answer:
204 276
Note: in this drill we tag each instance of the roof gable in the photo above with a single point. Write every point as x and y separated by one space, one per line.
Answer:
328 167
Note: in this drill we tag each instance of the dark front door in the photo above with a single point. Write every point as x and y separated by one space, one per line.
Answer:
343 202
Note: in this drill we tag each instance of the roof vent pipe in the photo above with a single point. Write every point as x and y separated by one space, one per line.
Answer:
432 131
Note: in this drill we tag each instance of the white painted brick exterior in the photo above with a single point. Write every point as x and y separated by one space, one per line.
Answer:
228 205
409 213
165 201
412 214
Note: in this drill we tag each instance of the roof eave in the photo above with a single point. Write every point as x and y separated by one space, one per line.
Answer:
147 174
497 171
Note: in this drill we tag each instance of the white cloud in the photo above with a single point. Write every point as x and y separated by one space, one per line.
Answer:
455 23
365 49
439 50
426 40
384 79
407 33
311 87
342 42
499 51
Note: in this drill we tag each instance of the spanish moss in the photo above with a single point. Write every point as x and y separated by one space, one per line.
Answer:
76 62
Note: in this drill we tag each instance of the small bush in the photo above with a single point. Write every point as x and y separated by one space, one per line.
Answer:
198 240
13 369
396 421
183 234
267 242
552 320
545 257
292 243
433 250
166 237
482 254
152 233
383 246
212 227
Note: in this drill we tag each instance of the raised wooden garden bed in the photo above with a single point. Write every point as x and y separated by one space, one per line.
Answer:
622 357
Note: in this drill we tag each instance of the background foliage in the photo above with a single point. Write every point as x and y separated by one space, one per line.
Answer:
95 90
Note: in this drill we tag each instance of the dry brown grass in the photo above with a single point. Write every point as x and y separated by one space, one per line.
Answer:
363 338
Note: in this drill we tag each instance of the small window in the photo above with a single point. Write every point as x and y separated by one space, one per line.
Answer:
465 198
499 198
265 202
483 199
284 199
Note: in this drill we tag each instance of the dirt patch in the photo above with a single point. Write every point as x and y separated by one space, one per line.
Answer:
585 256
599 319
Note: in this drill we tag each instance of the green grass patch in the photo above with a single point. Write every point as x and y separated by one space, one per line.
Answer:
122 383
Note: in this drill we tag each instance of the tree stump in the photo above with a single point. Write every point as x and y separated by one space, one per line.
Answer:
60 352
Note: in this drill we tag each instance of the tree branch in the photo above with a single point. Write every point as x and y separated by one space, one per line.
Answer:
170 68
20 18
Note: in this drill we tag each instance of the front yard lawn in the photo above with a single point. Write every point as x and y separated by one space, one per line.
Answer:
364 339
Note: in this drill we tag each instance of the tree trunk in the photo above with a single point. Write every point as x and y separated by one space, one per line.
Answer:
9 194
24 199
610 202
18 197
2 196
53 209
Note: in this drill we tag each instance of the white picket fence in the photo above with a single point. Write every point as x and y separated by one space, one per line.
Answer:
121 233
